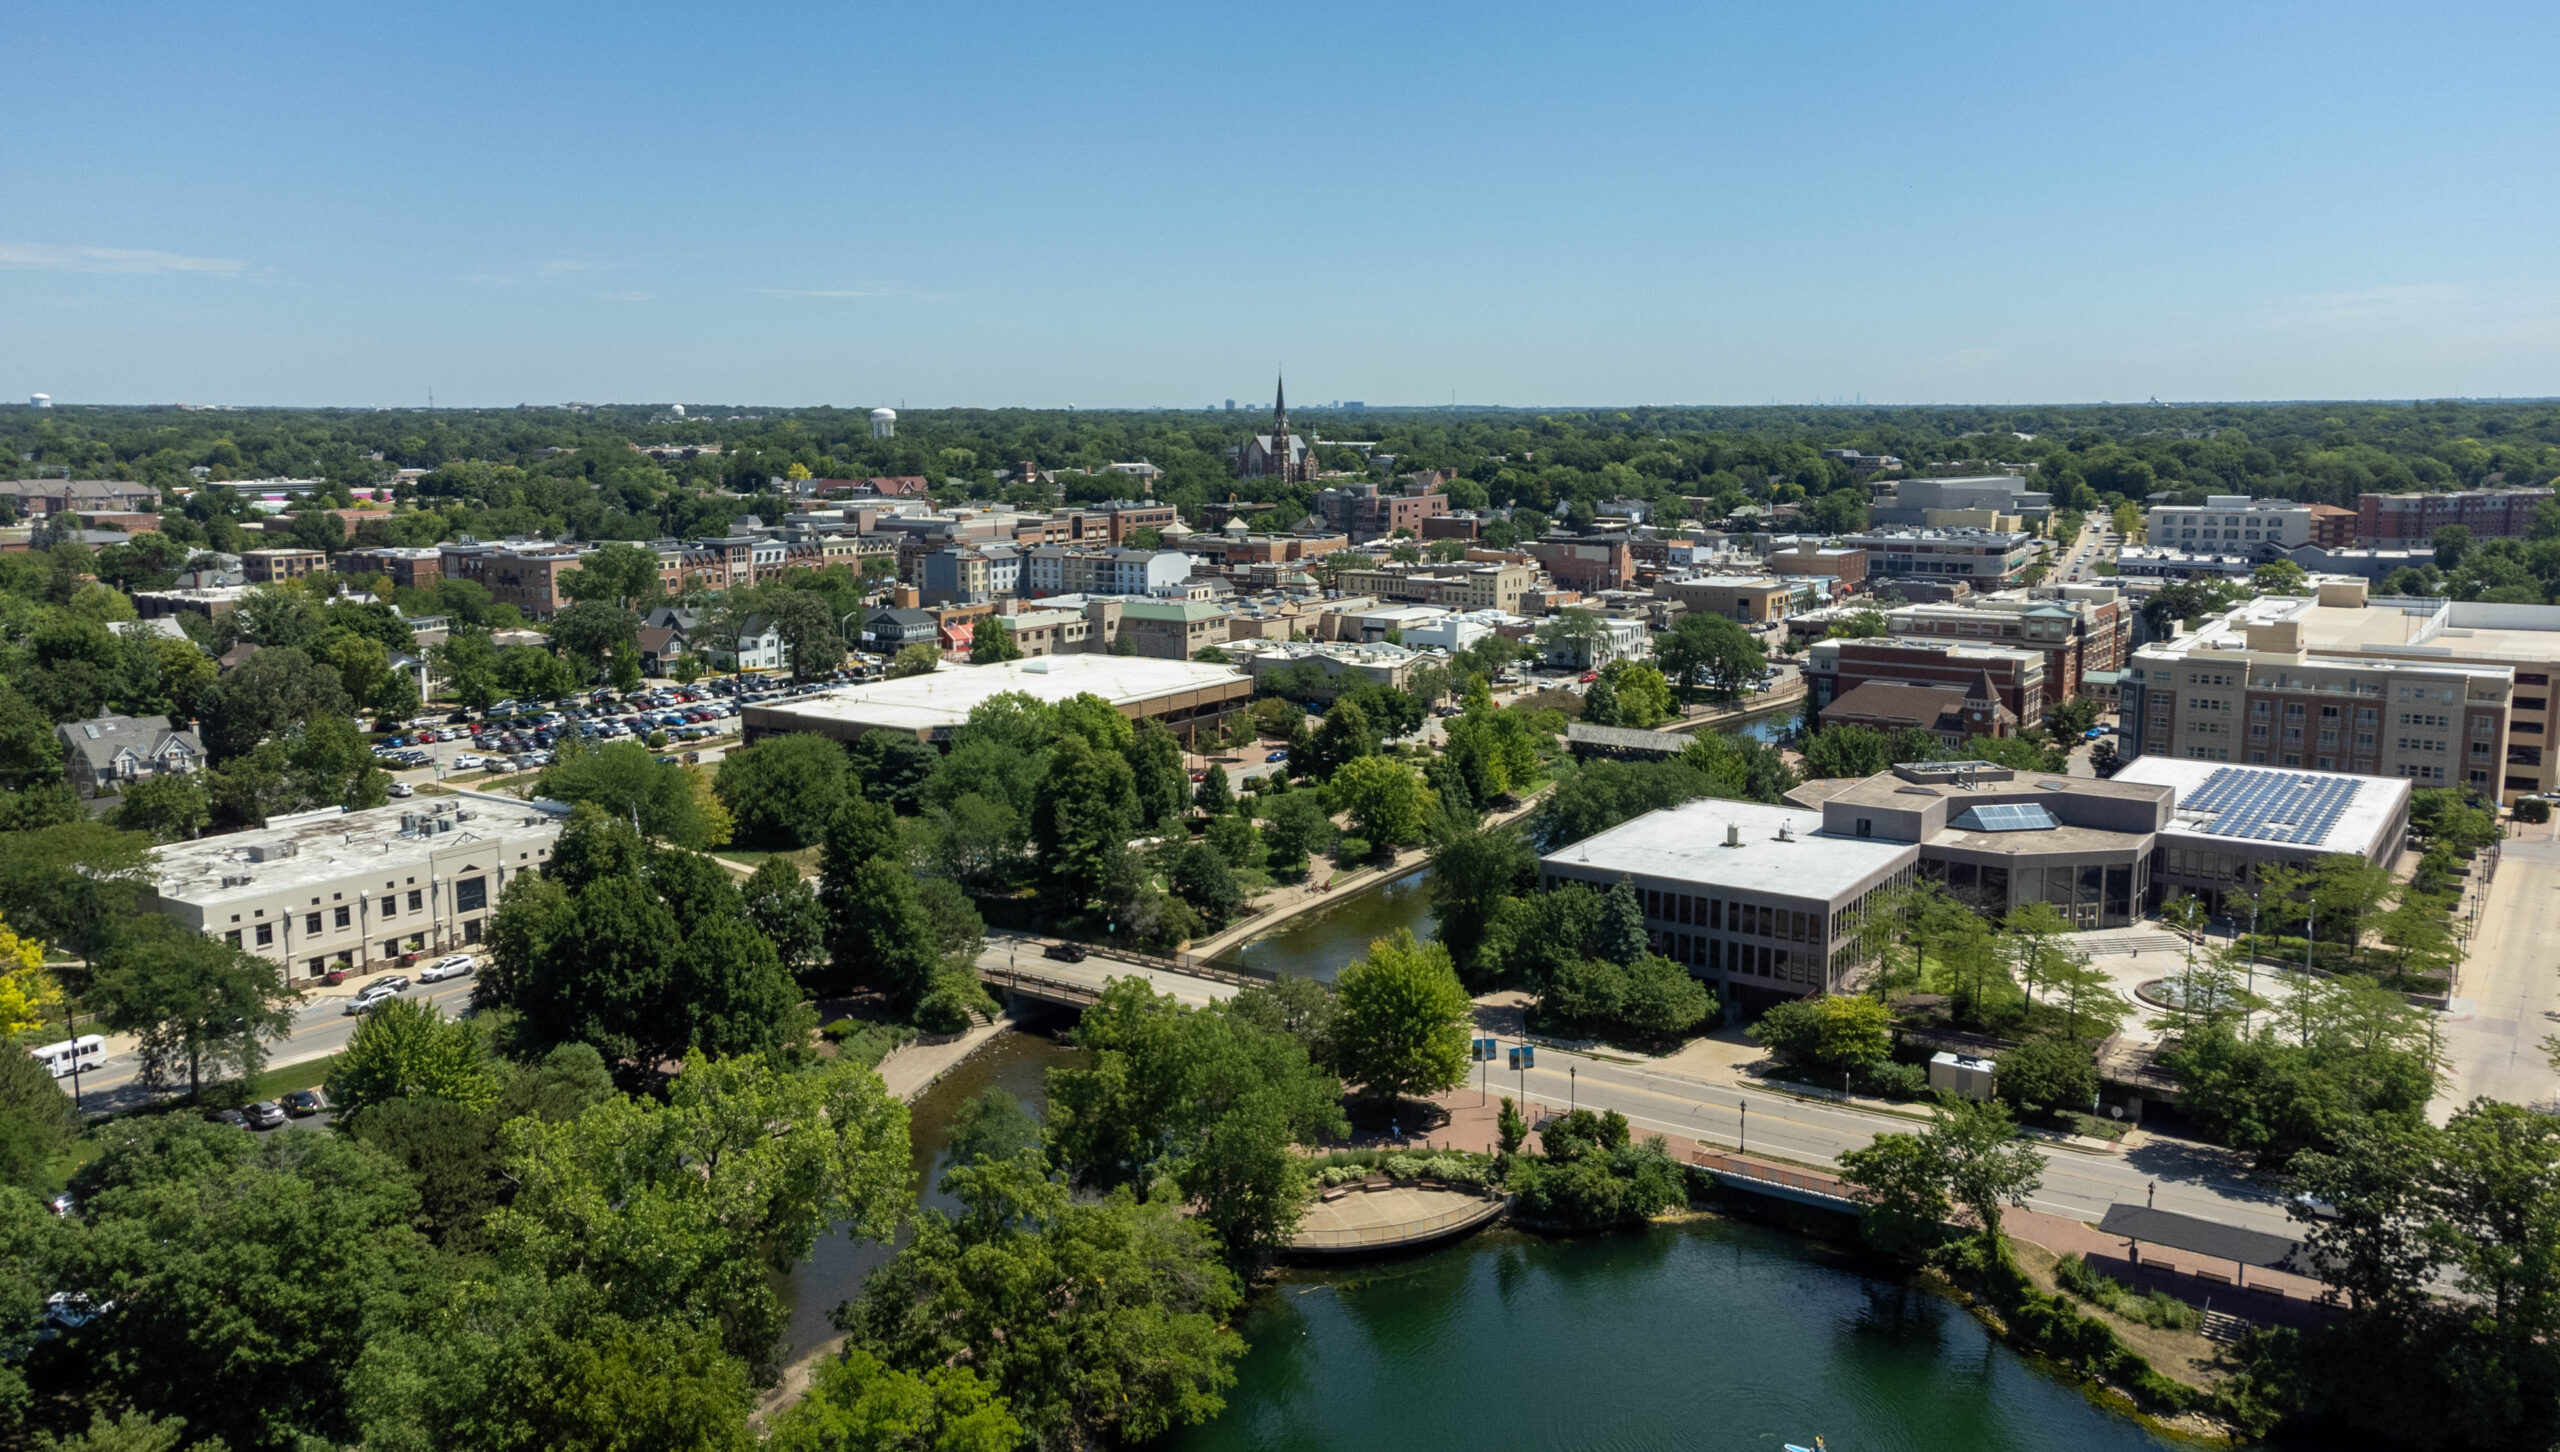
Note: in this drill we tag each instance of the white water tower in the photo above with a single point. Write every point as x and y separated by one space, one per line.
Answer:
39 400
884 423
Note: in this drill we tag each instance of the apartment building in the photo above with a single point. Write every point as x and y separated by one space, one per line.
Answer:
1454 587
350 890
2249 687
522 573
1235 547
269 566
2079 628
1059 570
2524 638
417 568
1172 629
2386 519
1367 511
957 575
1615 638
1590 565
2016 678
1983 558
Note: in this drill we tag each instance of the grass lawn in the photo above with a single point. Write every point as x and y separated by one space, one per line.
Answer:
806 858
307 1075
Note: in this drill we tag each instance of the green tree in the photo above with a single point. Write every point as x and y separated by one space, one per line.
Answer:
619 574
1001 1288
625 780
1214 797
170 808
1472 875
1846 751
992 643
1403 1021
782 791
1156 774
1205 881
229 1256
1710 651
807 623
1387 802
2047 1074
856 1404
786 910
1903 1186
194 1002
2280 577
405 1048
596 635
272 691
695 1206
1081 821
919 659
37 1122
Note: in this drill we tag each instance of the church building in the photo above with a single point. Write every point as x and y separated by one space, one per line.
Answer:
1278 454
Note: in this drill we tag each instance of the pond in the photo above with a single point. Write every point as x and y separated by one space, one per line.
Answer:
1709 1334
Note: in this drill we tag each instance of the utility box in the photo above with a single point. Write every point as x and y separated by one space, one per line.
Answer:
1957 1074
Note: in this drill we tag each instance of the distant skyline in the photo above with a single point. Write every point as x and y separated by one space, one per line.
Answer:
1155 206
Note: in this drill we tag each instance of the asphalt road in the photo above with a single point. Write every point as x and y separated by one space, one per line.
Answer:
321 1027
2175 1175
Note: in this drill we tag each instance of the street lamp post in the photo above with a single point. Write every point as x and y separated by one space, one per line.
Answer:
1742 1139
1572 1088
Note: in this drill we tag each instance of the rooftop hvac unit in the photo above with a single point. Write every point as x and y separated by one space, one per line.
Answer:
273 851
235 879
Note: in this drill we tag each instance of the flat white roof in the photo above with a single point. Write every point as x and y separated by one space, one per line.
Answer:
1687 843
2376 803
313 848
945 697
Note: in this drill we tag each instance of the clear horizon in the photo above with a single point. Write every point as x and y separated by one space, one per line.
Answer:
1010 206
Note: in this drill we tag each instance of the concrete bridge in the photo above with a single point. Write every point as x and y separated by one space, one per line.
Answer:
1014 967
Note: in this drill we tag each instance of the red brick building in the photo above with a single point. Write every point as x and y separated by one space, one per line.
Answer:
2383 520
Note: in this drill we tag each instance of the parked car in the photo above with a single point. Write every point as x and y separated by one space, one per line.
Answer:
303 1103
452 965
232 1117
470 761
402 789
1064 952
265 1114
63 1205
1277 756
389 983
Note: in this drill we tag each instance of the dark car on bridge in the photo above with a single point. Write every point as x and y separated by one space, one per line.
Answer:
1064 952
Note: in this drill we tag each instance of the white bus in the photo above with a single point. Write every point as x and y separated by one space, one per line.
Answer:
84 1054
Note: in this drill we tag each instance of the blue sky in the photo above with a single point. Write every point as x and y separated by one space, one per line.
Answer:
1043 205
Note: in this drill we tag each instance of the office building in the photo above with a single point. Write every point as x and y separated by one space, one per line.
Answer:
1809 556
1485 586
408 568
518 572
2229 821
1927 502
352 890
1368 511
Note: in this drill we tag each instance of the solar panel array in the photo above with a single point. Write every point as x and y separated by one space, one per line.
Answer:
2005 817
2272 806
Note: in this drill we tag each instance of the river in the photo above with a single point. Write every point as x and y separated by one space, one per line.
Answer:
1709 1334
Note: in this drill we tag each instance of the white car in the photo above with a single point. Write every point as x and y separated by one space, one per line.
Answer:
469 761
403 789
367 1001
457 965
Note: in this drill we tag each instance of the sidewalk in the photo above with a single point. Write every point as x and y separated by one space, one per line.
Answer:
910 1069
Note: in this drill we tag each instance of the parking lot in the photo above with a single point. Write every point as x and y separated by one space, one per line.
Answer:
522 736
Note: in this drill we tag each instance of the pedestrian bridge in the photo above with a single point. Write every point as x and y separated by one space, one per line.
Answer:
1014 968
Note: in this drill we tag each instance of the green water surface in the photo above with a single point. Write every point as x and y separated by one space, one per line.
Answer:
1701 1337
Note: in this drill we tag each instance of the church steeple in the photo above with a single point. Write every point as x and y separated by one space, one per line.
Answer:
1280 413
